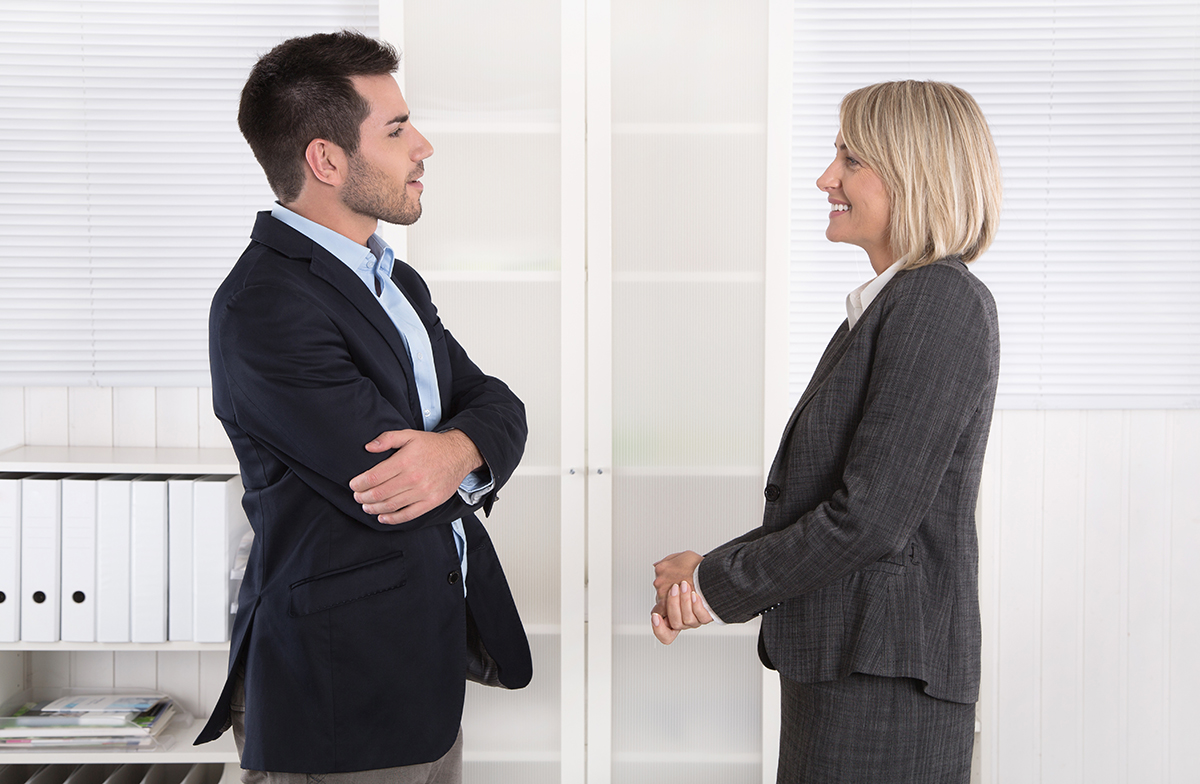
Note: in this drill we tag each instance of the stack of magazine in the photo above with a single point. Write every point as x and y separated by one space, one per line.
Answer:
127 721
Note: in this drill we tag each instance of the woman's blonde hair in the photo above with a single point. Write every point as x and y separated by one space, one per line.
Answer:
930 144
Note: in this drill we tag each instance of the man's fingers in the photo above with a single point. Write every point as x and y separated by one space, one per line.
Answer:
410 512
390 439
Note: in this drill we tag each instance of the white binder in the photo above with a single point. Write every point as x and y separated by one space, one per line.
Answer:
179 558
148 566
10 557
218 525
78 595
113 509
41 523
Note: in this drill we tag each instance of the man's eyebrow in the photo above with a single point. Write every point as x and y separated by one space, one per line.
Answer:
399 120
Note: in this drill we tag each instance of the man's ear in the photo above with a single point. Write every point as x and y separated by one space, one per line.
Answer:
327 161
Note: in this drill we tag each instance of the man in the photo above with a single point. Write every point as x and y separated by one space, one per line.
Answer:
366 438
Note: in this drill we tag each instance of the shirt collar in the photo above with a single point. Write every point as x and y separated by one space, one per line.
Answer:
356 257
860 299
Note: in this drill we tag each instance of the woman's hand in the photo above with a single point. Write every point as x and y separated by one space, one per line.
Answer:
681 609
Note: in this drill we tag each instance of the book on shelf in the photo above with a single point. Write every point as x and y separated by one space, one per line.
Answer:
91 720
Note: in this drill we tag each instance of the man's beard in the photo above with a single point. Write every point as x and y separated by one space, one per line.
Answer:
369 192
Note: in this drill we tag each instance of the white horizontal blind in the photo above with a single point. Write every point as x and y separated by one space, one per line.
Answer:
1094 108
126 190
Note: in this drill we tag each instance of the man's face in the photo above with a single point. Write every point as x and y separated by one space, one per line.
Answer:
383 180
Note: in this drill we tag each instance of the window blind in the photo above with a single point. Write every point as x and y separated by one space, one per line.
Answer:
126 190
1094 107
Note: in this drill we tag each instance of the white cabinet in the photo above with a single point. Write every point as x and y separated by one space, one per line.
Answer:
193 673
595 233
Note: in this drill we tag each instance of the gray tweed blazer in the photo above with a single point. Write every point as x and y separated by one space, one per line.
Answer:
867 558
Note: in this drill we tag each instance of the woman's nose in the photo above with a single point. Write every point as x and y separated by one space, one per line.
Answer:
827 181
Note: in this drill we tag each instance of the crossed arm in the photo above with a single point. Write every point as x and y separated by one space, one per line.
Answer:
424 472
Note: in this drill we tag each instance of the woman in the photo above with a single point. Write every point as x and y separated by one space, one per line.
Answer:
865 566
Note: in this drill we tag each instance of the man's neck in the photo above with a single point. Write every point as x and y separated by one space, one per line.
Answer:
349 224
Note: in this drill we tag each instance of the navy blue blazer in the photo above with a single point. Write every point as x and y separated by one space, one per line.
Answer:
352 633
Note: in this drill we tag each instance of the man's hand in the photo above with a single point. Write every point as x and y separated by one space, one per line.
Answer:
678 607
426 469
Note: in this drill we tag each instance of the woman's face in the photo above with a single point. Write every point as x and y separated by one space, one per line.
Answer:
861 207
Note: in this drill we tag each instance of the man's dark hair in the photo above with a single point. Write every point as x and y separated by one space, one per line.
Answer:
300 91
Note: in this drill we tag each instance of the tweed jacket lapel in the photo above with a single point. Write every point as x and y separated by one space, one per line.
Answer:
834 352
829 360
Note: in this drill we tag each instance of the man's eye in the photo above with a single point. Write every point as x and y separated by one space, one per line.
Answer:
397 131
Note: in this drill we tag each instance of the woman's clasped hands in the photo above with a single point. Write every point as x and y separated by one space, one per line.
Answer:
678 605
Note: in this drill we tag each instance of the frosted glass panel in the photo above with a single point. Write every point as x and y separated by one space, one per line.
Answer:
511 330
688 191
657 515
467 58
524 526
656 771
491 199
687 374
689 199
503 722
702 62
699 699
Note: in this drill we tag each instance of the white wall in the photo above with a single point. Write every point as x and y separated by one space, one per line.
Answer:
1089 529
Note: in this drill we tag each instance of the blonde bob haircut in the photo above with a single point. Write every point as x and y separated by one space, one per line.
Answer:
930 145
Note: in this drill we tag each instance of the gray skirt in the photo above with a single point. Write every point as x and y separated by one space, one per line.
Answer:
872 730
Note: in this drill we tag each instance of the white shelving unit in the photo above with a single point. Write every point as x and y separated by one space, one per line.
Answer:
66 664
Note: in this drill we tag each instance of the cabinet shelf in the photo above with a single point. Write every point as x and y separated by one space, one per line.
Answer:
223 749
119 460
163 461
118 647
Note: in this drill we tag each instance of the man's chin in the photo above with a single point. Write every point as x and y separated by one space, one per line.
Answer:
406 218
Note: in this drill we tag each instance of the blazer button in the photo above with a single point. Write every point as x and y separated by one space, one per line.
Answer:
772 492
454 577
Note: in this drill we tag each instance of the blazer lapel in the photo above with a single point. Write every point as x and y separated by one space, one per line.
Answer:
330 269
833 354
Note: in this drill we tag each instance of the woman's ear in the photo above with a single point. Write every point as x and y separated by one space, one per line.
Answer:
327 161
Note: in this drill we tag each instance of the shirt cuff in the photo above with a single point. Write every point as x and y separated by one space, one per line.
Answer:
696 587
476 485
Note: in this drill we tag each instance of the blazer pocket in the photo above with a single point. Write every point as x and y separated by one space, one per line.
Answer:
342 586
892 564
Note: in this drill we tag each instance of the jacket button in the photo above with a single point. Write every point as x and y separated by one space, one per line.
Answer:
772 492
454 577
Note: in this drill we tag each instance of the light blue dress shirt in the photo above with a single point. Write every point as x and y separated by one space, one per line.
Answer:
373 265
